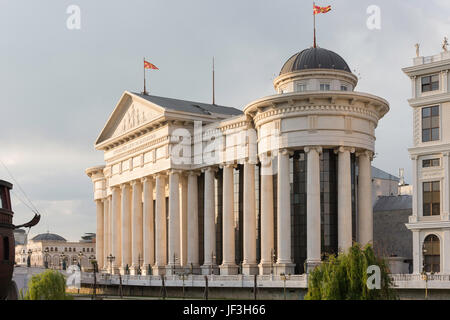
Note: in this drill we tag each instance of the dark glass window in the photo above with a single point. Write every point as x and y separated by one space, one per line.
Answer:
431 163
344 88
430 124
432 254
5 248
431 198
430 83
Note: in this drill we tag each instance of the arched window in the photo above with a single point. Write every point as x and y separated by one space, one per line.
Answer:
432 254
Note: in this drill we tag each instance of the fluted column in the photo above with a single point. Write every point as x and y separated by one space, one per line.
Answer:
116 229
148 225
174 222
344 200
209 244
365 210
267 217
106 234
160 226
228 266
137 226
192 224
249 264
313 233
126 227
284 262
99 242
183 219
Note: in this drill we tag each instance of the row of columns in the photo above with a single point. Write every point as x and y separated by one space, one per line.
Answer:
129 230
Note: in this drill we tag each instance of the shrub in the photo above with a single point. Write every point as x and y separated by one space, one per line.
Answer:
345 277
49 285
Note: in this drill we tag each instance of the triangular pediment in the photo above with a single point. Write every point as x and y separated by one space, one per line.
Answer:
130 113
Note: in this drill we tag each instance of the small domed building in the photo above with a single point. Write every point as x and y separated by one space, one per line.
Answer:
203 188
53 251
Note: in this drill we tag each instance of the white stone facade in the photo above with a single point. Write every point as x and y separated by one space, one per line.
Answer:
430 162
190 187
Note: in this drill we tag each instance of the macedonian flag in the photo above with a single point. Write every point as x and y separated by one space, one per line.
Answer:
318 9
148 65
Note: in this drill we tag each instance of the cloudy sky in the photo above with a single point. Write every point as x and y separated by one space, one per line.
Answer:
58 86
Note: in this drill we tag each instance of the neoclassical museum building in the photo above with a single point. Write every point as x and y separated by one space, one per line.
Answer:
203 188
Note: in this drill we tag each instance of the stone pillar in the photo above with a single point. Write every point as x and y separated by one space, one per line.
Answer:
249 264
417 252
313 233
209 244
284 262
445 258
228 266
446 187
192 263
116 229
126 227
137 227
365 210
106 234
148 226
183 219
344 200
160 226
99 243
415 188
267 217
174 222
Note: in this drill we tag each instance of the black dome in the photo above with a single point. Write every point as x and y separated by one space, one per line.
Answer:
315 58
48 237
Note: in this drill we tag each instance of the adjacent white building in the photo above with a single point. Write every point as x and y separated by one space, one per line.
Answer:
202 188
430 222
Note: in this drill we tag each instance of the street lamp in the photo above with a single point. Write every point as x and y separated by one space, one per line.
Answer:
111 259
63 261
29 258
46 258
80 256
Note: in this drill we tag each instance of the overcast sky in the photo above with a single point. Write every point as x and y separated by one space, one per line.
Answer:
59 86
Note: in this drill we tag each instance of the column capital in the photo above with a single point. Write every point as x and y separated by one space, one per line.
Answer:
318 149
145 179
231 164
366 153
286 152
134 182
193 173
117 187
414 157
342 149
175 171
265 159
211 168
161 174
125 185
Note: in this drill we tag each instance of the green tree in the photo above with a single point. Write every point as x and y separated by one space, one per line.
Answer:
49 285
345 277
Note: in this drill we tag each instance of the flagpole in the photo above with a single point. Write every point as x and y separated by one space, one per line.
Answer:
314 15
145 89
214 85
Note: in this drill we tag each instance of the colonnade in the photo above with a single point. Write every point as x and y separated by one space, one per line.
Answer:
132 226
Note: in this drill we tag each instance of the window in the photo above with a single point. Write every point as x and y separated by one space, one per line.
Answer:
431 163
431 198
344 88
430 83
324 87
430 124
432 254
301 87
5 248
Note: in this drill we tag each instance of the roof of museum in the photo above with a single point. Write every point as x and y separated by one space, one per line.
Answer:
48 237
393 203
189 106
315 58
